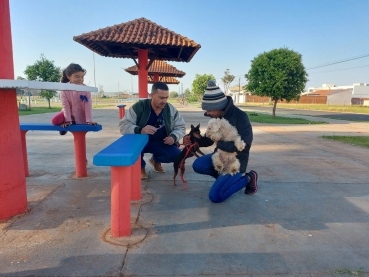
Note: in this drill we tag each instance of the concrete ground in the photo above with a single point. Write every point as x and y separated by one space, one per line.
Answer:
310 216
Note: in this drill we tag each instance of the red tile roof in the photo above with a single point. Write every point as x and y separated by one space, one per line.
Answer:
160 67
164 79
123 41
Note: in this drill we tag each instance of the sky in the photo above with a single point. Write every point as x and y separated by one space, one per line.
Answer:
231 34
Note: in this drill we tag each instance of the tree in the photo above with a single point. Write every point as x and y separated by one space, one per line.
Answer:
278 74
187 92
200 83
100 92
44 70
227 80
173 94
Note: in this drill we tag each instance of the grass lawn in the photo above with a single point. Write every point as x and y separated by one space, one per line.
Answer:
38 110
354 140
318 107
267 118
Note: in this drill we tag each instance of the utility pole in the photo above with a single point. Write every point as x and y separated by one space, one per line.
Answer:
118 89
93 55
239 90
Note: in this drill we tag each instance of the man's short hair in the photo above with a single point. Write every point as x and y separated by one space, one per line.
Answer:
159 85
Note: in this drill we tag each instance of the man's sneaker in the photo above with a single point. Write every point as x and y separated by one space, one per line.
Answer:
143 174
252 186
62 133
157 166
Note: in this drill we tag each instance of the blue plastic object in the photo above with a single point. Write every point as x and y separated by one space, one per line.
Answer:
122 152
51 127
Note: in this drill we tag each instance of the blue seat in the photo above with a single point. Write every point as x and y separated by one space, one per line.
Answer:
51 127
122 152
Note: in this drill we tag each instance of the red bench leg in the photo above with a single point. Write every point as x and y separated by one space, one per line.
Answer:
121 179
24 148
136 180
80 153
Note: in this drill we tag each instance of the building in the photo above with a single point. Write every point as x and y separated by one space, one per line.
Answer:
360 92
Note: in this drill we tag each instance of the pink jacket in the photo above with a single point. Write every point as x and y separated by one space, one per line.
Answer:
77 106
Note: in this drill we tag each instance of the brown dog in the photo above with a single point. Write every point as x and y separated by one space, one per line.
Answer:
187 152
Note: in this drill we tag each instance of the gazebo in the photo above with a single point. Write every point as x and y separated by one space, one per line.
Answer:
165 79
140 39
158 71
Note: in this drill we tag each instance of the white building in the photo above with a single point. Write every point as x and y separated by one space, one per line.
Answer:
360 92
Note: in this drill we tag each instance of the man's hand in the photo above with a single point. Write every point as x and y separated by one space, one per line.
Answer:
148 129
92 123
186 140
168 140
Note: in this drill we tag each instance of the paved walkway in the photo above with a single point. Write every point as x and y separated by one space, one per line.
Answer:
310 216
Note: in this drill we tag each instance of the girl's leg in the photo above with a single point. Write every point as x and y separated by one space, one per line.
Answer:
58 119
204 165
226 185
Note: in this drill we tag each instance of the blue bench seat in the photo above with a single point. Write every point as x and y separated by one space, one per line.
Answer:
124 158
79 133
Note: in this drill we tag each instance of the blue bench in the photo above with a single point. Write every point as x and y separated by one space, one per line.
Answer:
79 133
124 158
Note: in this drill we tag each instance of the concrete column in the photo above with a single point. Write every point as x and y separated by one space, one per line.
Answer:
143 56
13 194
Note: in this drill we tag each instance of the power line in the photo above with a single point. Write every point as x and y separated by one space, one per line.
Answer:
348 68
341 61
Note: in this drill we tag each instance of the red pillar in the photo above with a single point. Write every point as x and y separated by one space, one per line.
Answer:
143 56
121 111
156 77
136 180
13 194
121 178
80 153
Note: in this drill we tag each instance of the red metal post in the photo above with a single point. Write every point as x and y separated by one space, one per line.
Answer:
136 180
121 178
80 153
13 194
156 77
143 56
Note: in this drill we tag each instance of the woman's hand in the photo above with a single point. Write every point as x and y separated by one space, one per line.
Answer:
92 123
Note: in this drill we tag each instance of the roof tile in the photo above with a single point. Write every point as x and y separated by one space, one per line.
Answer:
140 33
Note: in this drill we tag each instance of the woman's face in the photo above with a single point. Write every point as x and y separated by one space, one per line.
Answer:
76 78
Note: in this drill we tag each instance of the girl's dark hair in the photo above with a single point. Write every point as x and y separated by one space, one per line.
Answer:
69 70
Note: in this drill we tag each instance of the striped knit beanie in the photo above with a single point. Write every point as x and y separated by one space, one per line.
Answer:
213 99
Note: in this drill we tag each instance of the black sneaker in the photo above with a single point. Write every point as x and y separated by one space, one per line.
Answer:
62 133
252 186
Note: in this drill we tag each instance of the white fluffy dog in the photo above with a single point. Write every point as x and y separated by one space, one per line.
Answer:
221 129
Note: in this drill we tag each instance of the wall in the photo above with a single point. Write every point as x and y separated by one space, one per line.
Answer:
340 98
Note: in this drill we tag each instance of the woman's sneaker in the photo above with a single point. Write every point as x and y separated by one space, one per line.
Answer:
252 186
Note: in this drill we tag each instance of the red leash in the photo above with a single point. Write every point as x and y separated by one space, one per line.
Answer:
182 162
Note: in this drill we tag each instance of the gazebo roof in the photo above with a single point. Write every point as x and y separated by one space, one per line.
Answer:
160 67
124 40
165 79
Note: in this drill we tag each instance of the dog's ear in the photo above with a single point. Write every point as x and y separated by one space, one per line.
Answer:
192 127
198 126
